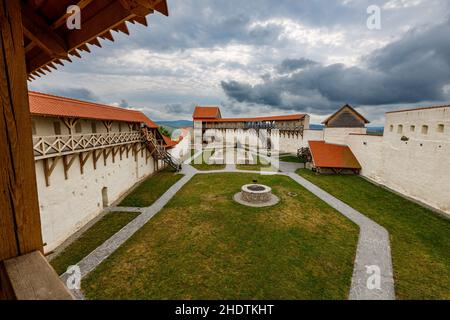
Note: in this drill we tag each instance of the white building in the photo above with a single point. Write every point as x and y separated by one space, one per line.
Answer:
87 156
411 157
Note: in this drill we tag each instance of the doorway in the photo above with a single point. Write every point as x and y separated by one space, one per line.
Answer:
105 197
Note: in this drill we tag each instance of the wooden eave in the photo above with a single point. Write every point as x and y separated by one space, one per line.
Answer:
48 42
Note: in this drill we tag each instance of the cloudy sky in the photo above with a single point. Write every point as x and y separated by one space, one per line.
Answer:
258 57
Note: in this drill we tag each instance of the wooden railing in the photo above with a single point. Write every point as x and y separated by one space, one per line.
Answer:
158 150
52 146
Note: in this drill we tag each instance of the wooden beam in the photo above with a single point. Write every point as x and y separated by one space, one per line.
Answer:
68 162
37 30
49 166
157 5
32 278
83 160
135 152
115 150
61 21
20 225
108 125
121 148
100 24
106 153
95 156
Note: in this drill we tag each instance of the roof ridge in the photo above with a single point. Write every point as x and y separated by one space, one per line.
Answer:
56 97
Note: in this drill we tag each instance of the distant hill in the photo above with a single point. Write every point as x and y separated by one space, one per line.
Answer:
375 130
176 123
316 126
186 123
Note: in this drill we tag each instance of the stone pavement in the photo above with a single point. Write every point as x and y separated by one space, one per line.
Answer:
373 253
372 274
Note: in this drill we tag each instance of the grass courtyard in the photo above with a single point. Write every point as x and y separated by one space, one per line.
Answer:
259 164
151 189
291 158
91 239
201 162
420 239
203 245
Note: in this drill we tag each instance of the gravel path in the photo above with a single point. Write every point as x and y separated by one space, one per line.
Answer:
372 274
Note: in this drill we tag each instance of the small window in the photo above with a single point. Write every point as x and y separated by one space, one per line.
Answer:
120 126
57 128
440 128
412 128
33 128
391 128
400 129
424 129
78 128
94 127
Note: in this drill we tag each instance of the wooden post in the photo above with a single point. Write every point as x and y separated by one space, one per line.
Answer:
20 226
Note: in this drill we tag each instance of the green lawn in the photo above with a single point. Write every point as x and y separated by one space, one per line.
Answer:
291 158
420 239
204 166
261 164
91 239
151 189
203 245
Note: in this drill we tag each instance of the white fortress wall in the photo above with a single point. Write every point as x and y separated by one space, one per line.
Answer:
340 135
67 205
417 168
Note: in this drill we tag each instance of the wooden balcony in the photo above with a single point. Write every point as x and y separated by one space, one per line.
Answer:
55 146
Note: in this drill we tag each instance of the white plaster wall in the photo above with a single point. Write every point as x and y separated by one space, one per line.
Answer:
340 135
418 118
67 205
417 168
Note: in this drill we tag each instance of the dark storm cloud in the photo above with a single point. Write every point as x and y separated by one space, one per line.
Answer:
413 69
74 93
290 65
178 108
206 23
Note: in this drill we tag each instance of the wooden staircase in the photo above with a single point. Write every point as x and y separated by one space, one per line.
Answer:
158 151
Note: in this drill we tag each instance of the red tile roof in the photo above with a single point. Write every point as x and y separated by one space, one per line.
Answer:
53 106
293 117
212 114
169 143
327 155
206 113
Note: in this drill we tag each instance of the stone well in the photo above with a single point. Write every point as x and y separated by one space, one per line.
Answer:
256 195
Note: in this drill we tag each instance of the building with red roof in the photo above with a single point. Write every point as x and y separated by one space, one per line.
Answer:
46 105
332 157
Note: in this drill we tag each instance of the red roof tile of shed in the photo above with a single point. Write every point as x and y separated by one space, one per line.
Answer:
53 106
327 155
206 113
293 117
212 114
